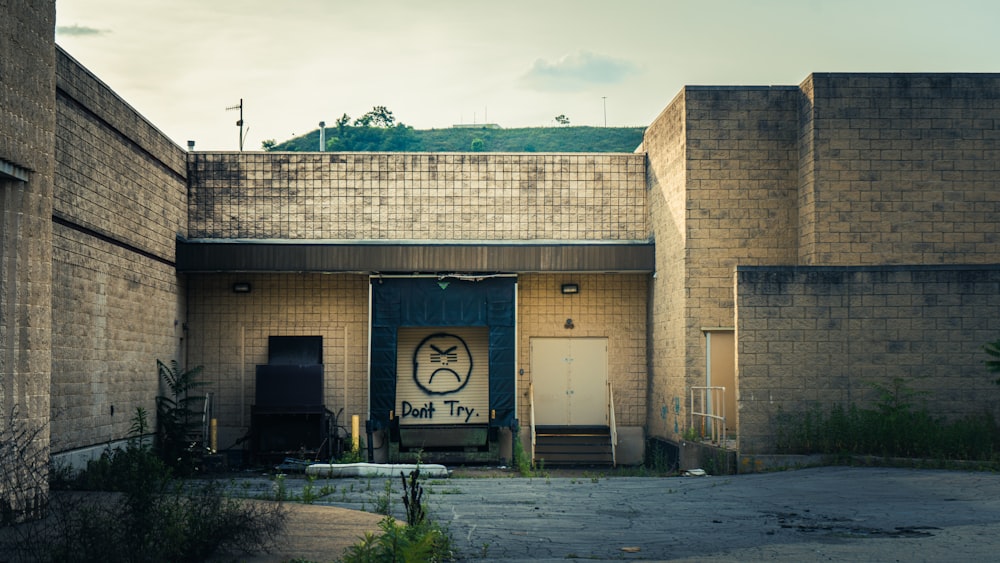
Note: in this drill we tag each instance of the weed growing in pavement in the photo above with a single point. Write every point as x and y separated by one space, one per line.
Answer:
420 539
309 495
279 489
397 542
522 461
383 502
413 498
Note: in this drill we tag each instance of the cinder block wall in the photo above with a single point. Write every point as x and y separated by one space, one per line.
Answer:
406 196
665 144
27 130
847 169
608 305
228 334
823 336
900 169
724 172
117 304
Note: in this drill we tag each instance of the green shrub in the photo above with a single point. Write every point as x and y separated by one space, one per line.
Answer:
419 540
398 542
135 510
24 461
894 427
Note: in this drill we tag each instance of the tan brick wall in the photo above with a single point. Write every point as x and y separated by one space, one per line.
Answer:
27 104
351 196
27 123
666 146
117 303
844 170
228 334
824 336
117 174
741 195
903 169
608 305
808 166
723 177
114 314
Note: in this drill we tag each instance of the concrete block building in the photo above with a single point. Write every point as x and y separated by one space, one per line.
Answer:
765 250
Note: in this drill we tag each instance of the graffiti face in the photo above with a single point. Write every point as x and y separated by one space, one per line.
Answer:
442 364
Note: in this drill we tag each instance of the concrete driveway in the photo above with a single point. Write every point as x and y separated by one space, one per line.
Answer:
820 514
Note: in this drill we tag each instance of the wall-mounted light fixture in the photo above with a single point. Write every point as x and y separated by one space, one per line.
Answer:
569 324
570 288
241 287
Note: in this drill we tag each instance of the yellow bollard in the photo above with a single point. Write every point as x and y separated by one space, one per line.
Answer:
213 434
355 432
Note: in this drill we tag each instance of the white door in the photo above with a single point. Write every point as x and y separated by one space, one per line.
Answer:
570 379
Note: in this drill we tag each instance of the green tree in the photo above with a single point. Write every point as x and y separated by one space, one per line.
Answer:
477 145
561 119
379 116
399 138
268 144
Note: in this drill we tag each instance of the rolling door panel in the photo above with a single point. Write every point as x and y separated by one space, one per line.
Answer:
442 376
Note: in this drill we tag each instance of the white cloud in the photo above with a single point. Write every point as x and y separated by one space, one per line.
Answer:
79 30
577 71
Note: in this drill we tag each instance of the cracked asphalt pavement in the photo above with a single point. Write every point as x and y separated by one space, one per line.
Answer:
818 514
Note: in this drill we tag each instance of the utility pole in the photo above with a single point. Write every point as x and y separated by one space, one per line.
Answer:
605 99
240 122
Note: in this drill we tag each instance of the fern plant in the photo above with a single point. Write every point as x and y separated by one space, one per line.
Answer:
176 417
993 350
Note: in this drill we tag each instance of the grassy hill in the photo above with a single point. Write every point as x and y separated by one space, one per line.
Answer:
528 139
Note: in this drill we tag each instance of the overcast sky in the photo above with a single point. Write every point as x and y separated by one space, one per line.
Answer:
517 63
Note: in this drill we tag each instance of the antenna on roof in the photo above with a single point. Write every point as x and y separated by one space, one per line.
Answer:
240 122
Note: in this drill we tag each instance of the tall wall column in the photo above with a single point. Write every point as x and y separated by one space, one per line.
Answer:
27 139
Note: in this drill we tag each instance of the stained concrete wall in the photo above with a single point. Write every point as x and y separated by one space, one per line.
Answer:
823 336
423 196
900 169
846 169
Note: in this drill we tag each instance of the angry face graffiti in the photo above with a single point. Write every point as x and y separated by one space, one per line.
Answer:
442 364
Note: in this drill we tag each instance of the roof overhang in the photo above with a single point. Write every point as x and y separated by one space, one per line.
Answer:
11 171
252 255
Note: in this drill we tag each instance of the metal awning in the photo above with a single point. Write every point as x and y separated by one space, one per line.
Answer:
230 255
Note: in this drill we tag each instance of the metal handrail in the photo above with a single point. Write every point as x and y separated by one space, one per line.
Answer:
613 424
531 409
708 398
